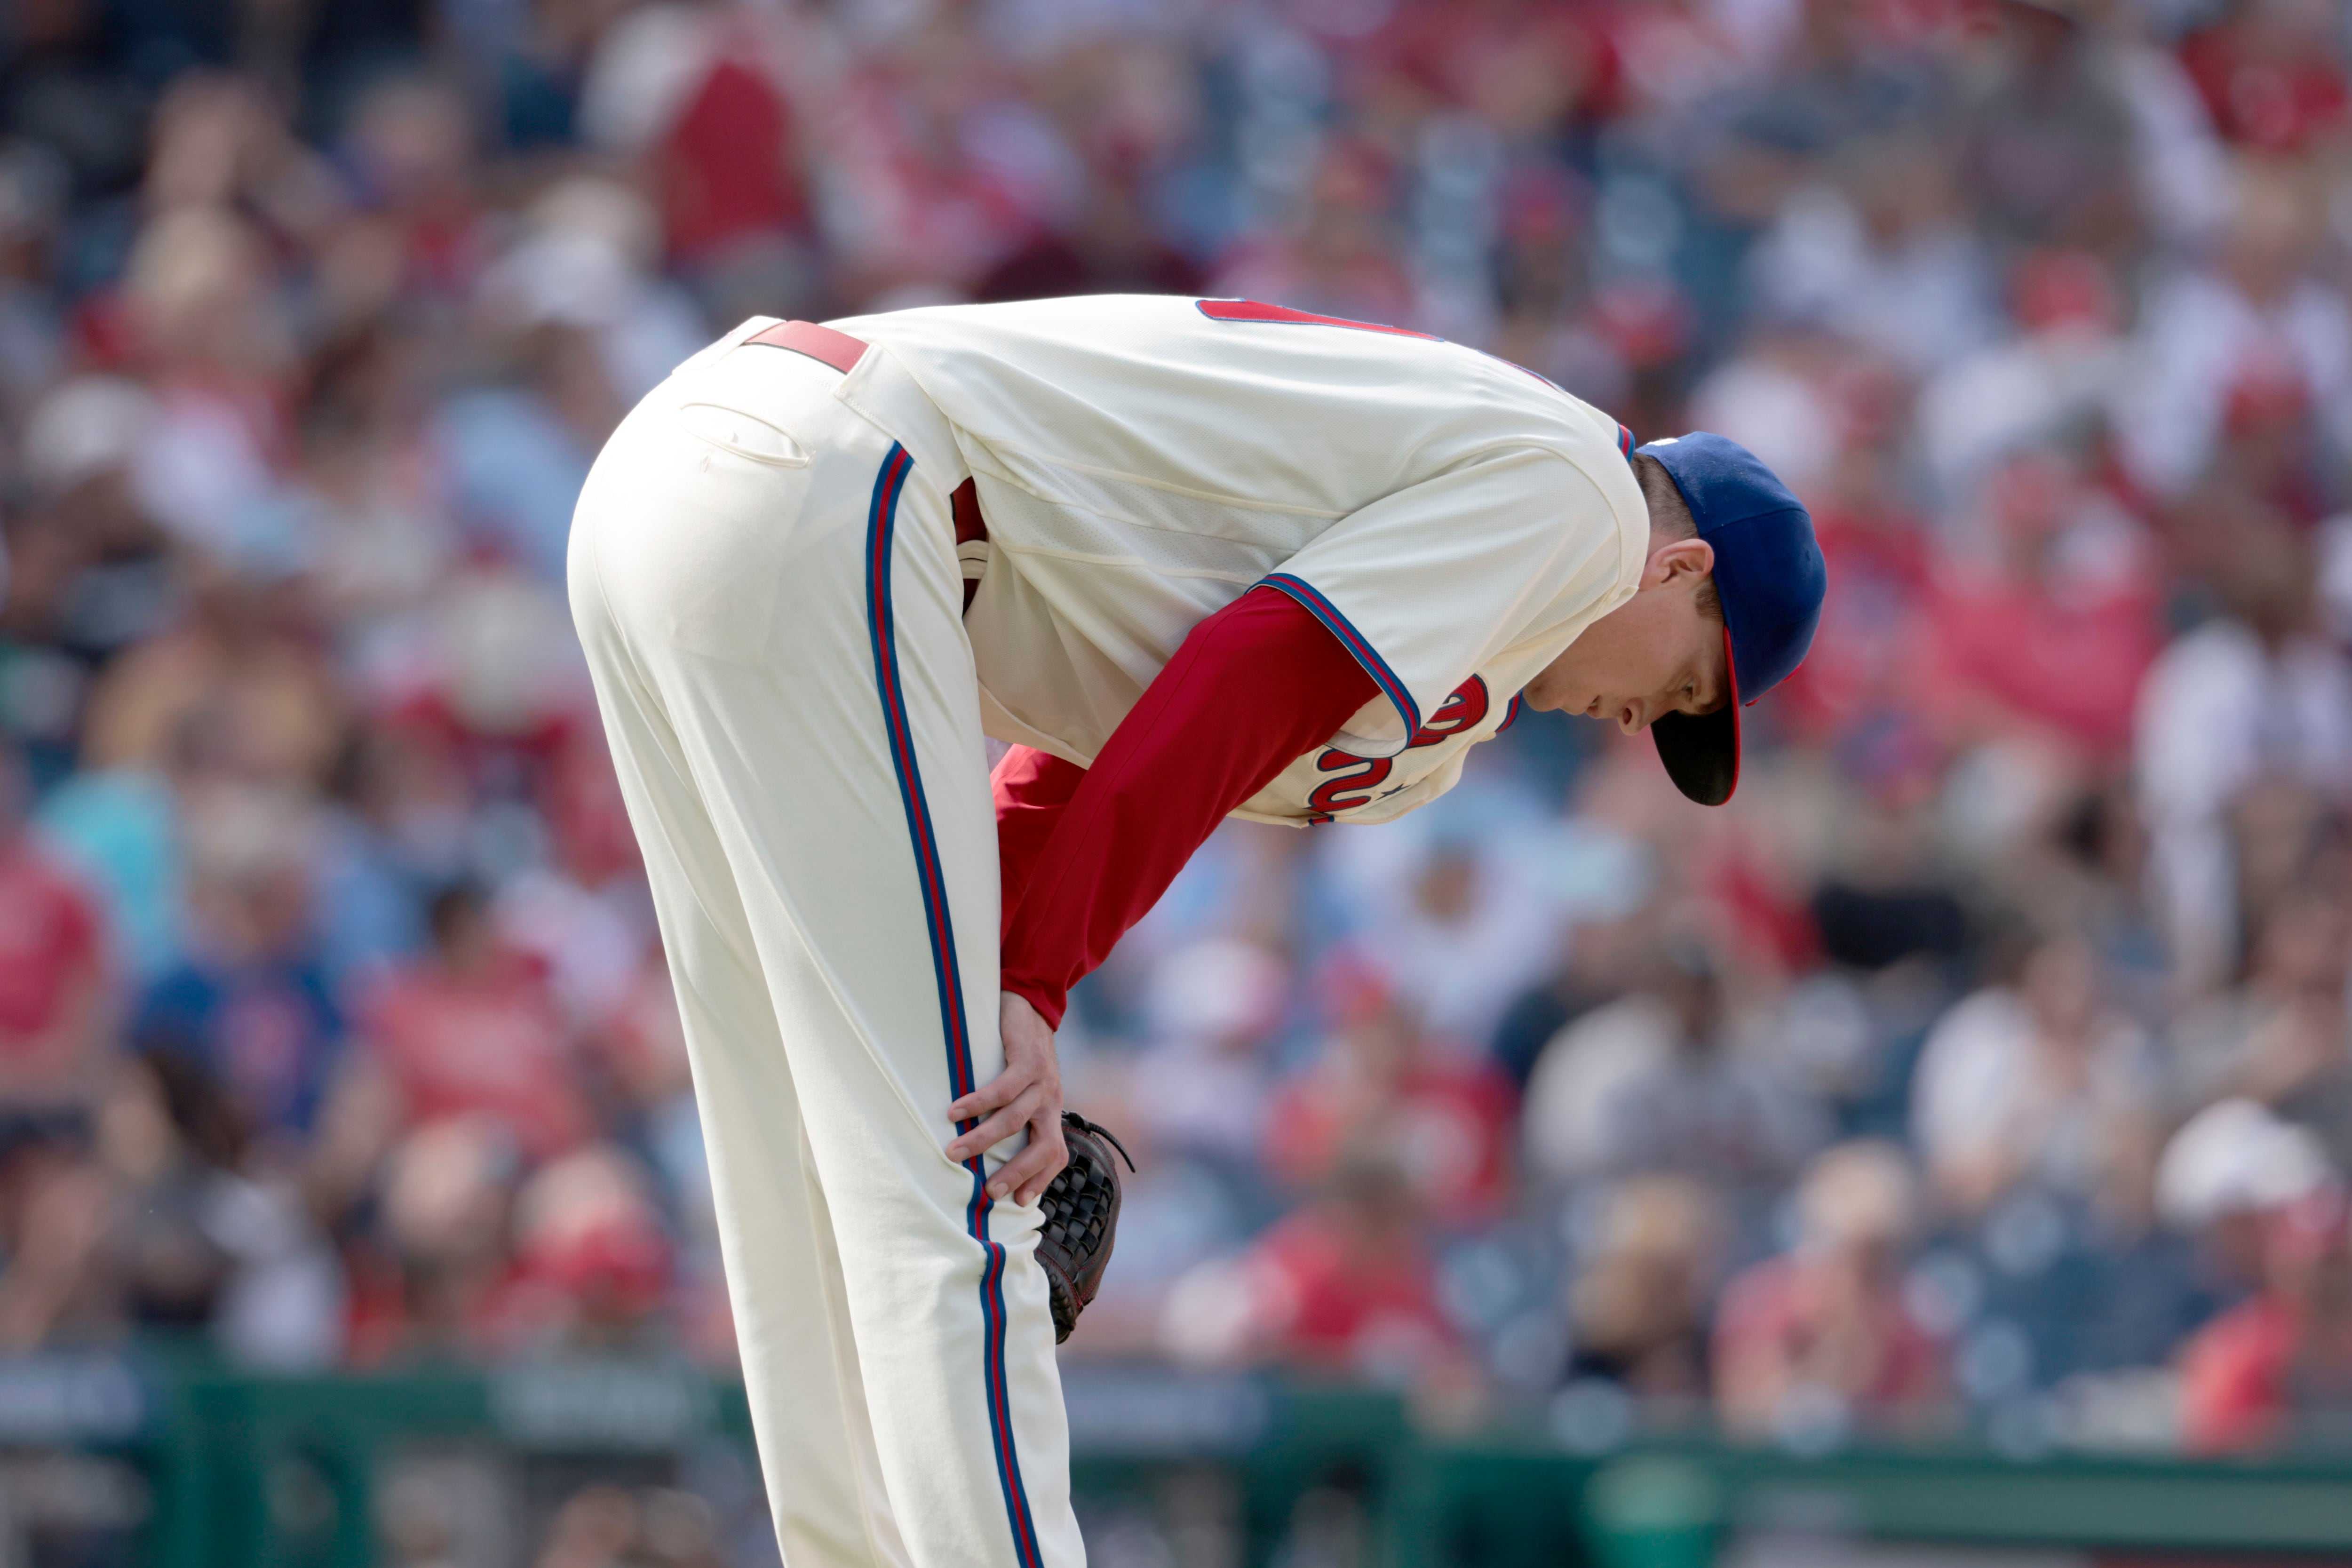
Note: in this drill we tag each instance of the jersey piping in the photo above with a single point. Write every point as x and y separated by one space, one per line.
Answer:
1355 642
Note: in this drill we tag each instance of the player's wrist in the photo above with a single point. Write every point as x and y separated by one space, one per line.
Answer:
1049 1001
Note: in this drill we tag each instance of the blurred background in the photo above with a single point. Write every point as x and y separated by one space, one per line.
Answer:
1967 1108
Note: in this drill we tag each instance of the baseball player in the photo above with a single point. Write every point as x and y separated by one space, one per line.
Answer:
1192 558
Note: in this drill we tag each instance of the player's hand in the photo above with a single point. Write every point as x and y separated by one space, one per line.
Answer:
1027 1093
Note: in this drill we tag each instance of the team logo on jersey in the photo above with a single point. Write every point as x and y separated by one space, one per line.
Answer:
1357 780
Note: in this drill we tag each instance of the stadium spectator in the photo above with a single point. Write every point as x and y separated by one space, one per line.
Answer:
191 1245
1637 1306
251 1004
2043 645
1345 1284
2271 74
473 1029
2284 1356
2253 702
1657 1082
1376 1080
1202 1085
1821 1339
2282 1039
2043 1083
54 1204
593 1265
439 1279
2224 1178
56 1012
2215 333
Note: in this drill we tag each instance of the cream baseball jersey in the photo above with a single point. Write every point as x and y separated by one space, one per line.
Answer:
1143 461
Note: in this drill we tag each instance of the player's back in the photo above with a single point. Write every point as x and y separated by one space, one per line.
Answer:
1141 461
1267 408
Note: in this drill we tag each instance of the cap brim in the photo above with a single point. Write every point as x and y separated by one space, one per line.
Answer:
1701 751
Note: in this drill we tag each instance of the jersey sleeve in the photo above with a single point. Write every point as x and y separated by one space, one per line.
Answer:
1425 585
1254 686
1031 788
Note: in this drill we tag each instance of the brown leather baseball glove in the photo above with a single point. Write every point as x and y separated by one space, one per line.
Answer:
1081 1208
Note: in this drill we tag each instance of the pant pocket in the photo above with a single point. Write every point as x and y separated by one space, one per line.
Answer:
746 434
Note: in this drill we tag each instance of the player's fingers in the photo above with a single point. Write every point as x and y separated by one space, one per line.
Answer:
1030 1171
997 1128
998 1092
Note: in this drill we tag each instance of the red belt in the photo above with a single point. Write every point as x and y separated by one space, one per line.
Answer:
843 352
822 344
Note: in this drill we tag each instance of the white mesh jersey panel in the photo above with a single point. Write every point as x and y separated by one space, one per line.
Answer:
1041 506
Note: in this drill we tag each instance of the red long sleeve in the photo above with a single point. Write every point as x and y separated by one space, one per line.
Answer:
1255 687
1031 788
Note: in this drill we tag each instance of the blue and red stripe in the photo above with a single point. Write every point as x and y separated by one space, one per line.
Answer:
1354 641
881 531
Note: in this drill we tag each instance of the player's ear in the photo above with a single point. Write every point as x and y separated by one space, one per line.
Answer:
1678 560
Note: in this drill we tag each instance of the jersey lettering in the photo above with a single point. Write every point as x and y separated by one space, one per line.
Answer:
1338 794
1465 706
1469 703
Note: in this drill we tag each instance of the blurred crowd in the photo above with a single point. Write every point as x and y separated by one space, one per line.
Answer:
1985 1064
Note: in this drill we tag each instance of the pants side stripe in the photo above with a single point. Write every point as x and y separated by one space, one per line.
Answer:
881 531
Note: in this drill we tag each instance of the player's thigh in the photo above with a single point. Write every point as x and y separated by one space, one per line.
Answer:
800 625
847 772
783 1271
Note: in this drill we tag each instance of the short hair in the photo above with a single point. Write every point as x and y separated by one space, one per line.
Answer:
1671 521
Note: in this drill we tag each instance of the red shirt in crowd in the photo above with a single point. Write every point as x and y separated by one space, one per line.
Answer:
1328 1293
2246 1372
1448 1123
1773 1316
1999 645
2233 1377
2261 94
1519 65
491 1042
51 952
726 164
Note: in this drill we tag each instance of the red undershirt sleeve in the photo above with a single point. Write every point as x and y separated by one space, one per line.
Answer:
1031 788
1086 852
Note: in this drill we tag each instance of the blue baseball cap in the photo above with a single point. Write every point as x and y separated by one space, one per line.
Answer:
1769 576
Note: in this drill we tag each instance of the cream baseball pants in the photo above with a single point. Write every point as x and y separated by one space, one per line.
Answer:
765 580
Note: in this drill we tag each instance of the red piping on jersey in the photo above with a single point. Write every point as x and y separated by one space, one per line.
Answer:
1251 311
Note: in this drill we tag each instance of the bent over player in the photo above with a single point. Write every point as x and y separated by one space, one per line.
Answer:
1190 559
